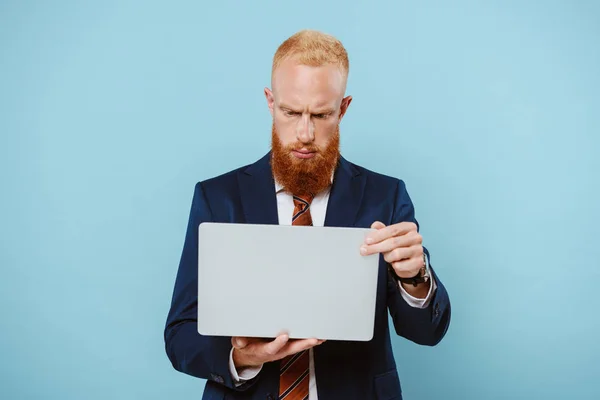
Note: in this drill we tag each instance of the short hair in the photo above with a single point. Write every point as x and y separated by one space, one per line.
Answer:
312 48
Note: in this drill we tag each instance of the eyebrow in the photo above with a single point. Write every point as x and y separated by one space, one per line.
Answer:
324 111
321 111
286 107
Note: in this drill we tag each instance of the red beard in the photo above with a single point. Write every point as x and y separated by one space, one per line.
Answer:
304 176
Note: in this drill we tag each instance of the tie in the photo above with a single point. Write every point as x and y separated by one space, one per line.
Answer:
293 372
302 210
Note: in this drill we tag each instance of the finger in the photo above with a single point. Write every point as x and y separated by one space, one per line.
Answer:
407 268
392 243
274 347
300 345
399 254
398 229
248 341
244 342
239 342
377 225
403 253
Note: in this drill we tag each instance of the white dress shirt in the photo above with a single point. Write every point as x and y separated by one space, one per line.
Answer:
318 208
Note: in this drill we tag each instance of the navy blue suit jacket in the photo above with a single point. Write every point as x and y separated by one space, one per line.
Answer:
344 370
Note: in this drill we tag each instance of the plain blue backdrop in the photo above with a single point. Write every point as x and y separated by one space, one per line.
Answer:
111 111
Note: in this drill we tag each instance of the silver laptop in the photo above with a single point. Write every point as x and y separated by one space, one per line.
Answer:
264 280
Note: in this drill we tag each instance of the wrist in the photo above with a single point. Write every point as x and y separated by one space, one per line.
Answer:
420 291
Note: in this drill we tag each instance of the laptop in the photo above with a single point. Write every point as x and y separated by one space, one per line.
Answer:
266 280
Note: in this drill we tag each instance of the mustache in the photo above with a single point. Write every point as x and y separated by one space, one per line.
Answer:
300 146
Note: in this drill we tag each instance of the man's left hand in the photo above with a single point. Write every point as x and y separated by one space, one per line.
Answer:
401 246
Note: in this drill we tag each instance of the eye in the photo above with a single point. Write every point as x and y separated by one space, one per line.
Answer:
321 116
290 113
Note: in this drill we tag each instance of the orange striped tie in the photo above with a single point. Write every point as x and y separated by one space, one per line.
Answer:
294 369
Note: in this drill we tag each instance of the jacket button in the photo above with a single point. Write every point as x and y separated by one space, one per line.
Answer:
217 378
270 397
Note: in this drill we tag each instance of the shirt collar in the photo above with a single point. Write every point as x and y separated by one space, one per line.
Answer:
278 187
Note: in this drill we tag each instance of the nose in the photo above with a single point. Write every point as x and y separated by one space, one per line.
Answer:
305 131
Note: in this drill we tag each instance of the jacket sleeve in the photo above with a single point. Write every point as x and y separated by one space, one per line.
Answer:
205 357
426 326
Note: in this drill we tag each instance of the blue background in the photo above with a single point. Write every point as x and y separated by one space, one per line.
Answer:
111 111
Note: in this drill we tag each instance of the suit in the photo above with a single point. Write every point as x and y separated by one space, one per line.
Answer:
344 370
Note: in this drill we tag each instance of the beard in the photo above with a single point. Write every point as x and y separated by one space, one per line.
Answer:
304 176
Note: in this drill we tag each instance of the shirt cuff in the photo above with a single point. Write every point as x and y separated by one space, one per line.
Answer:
416 302
239 377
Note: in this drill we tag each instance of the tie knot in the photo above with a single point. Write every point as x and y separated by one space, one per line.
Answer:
302 209
304 198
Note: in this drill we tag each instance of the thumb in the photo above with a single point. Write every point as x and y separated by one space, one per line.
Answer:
377 225
239 342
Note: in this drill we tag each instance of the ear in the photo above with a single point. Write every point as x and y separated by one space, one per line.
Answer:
270 100
344 106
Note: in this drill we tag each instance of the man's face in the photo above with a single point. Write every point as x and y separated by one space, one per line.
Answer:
307 104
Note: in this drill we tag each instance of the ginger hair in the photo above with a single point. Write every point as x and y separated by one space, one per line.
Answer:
313 48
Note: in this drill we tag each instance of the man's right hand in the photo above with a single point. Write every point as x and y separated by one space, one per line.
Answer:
254 352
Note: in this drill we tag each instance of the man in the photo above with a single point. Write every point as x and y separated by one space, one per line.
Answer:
305 181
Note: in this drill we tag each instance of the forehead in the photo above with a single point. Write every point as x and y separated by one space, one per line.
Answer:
303 85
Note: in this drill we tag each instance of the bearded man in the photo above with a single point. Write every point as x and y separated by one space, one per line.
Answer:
304 180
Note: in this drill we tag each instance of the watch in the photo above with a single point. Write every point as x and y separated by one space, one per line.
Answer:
421 277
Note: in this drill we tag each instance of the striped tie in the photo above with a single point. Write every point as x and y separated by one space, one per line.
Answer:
302 210
293 372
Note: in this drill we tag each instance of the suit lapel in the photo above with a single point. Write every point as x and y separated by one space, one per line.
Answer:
346 195
257 189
